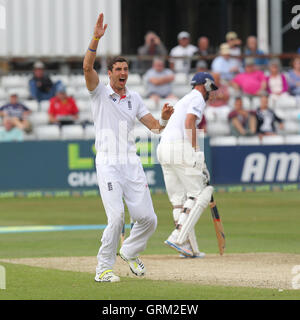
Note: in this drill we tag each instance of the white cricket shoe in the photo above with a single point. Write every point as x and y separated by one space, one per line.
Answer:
135 264
184 248
106 276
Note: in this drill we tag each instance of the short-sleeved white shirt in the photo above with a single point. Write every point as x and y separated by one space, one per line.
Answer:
114 119
193 103
182 65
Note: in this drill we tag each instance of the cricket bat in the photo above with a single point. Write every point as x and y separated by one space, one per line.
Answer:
122 237
218 225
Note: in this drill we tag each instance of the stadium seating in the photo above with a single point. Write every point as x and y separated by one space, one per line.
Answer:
47 132
272 140
218 128
181 79
39 118
22 92
44 105
72 132
286 107
31 104
248 141
89 132
83 105
292 139
291 127
14 81
223 141
150 104
134 79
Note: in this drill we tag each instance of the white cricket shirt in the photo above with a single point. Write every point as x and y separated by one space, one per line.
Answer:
182 65
192 102
114 119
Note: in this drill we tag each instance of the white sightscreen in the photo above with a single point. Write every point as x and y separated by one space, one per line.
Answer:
57 27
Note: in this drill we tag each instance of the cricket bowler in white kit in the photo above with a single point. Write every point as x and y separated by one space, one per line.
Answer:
119 170
183 164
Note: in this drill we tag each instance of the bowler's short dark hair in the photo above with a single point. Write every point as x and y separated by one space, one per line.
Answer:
114 60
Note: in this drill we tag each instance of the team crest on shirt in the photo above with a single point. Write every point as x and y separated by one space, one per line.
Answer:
129 105
109 186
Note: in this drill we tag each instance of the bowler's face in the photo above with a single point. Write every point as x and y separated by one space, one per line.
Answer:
119 75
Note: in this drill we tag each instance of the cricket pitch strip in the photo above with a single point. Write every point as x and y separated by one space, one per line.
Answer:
256 270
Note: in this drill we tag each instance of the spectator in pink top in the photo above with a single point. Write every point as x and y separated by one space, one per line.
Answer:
252 81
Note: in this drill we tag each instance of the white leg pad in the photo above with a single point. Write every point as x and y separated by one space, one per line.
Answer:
176 214
193 241
202 202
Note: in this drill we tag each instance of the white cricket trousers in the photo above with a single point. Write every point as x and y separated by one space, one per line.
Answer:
182 180
128 182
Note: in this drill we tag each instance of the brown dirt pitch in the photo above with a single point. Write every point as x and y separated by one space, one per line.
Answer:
257 270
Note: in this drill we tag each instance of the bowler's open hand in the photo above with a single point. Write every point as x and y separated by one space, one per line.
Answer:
99 28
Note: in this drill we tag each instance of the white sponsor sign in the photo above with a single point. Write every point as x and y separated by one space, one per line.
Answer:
275 167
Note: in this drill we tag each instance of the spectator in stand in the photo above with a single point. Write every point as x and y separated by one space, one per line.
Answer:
158 81
294 77
201 66
226 66
217 104
17 113
152 47
242 122
251 82
10 132
41 87
252 49
276 82
266 118
234 43
183 49
204 49
63 109
220 97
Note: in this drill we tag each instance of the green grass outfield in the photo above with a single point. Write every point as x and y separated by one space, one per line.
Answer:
254 222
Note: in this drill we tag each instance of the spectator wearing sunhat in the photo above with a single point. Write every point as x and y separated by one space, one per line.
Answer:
41 87
183 49
234 43
225 65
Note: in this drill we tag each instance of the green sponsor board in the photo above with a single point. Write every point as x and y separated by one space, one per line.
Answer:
65 165
54 165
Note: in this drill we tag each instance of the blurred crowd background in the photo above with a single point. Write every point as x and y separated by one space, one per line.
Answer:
44 98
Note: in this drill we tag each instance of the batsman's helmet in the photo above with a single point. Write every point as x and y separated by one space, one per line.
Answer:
206 79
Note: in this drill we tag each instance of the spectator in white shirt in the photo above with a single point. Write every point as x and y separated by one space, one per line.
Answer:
184 49
225 65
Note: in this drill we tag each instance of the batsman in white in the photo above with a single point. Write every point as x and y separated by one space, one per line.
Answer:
119 170
183 164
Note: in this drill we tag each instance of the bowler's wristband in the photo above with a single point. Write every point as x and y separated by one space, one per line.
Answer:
163 122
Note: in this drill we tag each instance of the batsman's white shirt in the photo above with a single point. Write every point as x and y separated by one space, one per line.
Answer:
193 103
120 173
175 152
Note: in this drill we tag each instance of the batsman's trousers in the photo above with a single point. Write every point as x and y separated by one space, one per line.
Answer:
182 179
